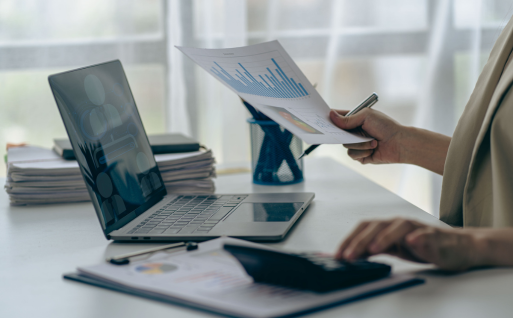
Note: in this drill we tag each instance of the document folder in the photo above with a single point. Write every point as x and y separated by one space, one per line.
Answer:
212 280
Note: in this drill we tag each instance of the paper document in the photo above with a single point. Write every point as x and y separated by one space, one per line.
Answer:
37 175
211 278
266 77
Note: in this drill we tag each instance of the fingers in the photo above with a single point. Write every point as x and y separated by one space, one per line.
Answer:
349 239
350 122
374 237
358 246
340 112
418 238
393 234
360 151
422 244
361 132
362 145
359 154
425 244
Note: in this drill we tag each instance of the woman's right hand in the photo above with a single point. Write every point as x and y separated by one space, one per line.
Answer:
449 249
386 148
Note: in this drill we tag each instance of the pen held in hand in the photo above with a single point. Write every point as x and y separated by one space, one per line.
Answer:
307 151
368 102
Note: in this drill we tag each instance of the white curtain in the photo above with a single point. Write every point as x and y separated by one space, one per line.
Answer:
422 57
177 117
220 120
39 38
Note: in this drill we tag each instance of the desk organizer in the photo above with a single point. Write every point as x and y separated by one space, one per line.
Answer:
273 154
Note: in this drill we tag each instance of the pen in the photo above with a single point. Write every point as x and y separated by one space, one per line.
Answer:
368 102
125 258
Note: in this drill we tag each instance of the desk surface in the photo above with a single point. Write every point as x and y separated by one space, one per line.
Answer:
39 244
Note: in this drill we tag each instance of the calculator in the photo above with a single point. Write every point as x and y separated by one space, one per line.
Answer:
318 272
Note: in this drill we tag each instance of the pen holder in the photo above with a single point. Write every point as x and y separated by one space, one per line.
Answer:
273 154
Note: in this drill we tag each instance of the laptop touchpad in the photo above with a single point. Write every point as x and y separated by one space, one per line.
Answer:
264 212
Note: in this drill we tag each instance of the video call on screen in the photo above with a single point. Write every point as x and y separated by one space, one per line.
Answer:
108 138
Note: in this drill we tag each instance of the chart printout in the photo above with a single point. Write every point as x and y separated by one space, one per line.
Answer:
266 77
210 277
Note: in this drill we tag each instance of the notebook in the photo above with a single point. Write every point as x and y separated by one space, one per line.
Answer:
160 144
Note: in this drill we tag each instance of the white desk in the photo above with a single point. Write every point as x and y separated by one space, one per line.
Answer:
39 244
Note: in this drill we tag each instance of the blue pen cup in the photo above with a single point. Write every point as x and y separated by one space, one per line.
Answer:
274 153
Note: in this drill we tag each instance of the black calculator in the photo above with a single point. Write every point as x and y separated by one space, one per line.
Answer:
310 271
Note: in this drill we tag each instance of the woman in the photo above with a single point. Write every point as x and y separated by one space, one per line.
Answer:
477 169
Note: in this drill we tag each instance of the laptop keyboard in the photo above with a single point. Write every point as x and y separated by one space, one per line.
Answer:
188 214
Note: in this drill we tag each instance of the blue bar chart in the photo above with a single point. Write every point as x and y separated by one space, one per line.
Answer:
266 78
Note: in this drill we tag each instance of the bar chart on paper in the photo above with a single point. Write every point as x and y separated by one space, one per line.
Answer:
266 74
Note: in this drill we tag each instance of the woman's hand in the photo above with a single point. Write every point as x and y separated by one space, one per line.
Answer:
394 143
386 132
449 249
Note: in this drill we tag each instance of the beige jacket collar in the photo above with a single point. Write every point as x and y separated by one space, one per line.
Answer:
499 57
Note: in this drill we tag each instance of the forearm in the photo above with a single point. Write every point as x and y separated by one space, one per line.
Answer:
424 148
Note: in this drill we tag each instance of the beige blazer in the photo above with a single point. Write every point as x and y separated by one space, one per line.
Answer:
477 187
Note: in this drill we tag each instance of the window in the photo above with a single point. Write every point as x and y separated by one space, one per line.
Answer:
422 57
39 38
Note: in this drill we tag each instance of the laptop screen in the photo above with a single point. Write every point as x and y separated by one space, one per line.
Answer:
109 142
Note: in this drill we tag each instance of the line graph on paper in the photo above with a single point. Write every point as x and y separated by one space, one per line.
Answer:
266 74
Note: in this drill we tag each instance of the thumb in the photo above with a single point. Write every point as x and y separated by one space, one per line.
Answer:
350 122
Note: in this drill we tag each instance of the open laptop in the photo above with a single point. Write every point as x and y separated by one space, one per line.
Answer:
124 182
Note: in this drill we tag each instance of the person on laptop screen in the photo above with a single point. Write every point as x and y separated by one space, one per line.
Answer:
476 164
117 164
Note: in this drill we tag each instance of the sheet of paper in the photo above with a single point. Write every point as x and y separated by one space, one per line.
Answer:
212 277
265 76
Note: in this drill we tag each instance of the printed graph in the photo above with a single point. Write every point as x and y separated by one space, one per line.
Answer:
266 74
155 268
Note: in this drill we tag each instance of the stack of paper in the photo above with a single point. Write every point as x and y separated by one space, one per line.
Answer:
37 175
189 172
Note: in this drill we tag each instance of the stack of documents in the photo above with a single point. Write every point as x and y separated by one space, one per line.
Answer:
189 172
39 176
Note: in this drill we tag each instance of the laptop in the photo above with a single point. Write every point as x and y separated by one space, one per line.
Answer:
124 182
